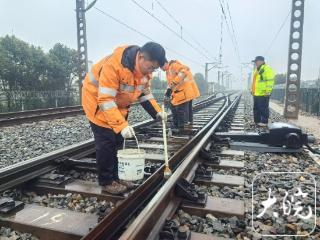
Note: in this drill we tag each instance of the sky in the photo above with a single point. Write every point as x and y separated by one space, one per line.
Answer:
256 22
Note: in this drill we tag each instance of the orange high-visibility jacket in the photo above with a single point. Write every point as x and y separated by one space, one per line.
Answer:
182 83
112 85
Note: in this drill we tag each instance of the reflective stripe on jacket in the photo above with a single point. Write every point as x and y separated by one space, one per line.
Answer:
182 83
112 85
263 81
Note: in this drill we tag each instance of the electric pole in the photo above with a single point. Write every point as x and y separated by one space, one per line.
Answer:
82 40
222 79
206 77
228 83
207 69
82 43
292 101
224 76
251 66
318 82
220 74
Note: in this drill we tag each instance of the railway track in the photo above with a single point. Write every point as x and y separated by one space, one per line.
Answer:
205 200
153 223
13 118
44 195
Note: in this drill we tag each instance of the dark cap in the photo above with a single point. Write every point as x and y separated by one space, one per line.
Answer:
258 58
155 52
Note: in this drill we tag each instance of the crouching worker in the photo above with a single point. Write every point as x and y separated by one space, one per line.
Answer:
182 89
110 87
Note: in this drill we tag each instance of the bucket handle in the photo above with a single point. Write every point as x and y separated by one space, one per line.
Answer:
124 142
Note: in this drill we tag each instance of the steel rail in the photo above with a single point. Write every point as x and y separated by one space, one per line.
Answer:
146 224
18 173
37 111
112 224
22 172
14 118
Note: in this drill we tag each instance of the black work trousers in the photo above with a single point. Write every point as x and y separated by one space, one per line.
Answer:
189 115
261 109
107 143
179 113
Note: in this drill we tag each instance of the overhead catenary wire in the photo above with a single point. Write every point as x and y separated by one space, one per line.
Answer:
144 35
170 15
232 26
225 18
277 34
183 29
221 39
233 39
170 29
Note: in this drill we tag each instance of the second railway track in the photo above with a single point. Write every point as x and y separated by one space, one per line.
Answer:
13 118
46 195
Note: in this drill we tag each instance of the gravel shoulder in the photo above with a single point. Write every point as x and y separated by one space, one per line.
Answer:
22 142
310 123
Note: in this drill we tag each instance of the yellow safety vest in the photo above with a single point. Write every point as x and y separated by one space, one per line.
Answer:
263 81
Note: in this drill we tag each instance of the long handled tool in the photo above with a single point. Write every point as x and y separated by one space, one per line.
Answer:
167 170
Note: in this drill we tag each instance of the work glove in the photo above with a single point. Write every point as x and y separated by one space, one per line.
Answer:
163 115
127 132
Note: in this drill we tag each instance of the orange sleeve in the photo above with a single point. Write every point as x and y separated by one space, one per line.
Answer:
181 70
108 88
155 105
153 101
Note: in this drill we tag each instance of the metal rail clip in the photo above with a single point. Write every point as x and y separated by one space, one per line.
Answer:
8 204
208 156
203 172
190 195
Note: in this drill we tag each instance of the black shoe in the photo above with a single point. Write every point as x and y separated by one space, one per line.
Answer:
177 131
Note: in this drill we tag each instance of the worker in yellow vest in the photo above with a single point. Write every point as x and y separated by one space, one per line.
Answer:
110 87
262 85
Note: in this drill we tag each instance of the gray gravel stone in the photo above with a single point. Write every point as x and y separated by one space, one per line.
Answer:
256 163
9 234
69 201
22 142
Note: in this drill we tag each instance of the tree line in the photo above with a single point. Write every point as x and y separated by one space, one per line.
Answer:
27 69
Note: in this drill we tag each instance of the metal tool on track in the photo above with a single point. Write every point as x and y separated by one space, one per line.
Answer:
167 170
279 137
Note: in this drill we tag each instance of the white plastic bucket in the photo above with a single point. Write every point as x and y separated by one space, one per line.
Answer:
131 164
